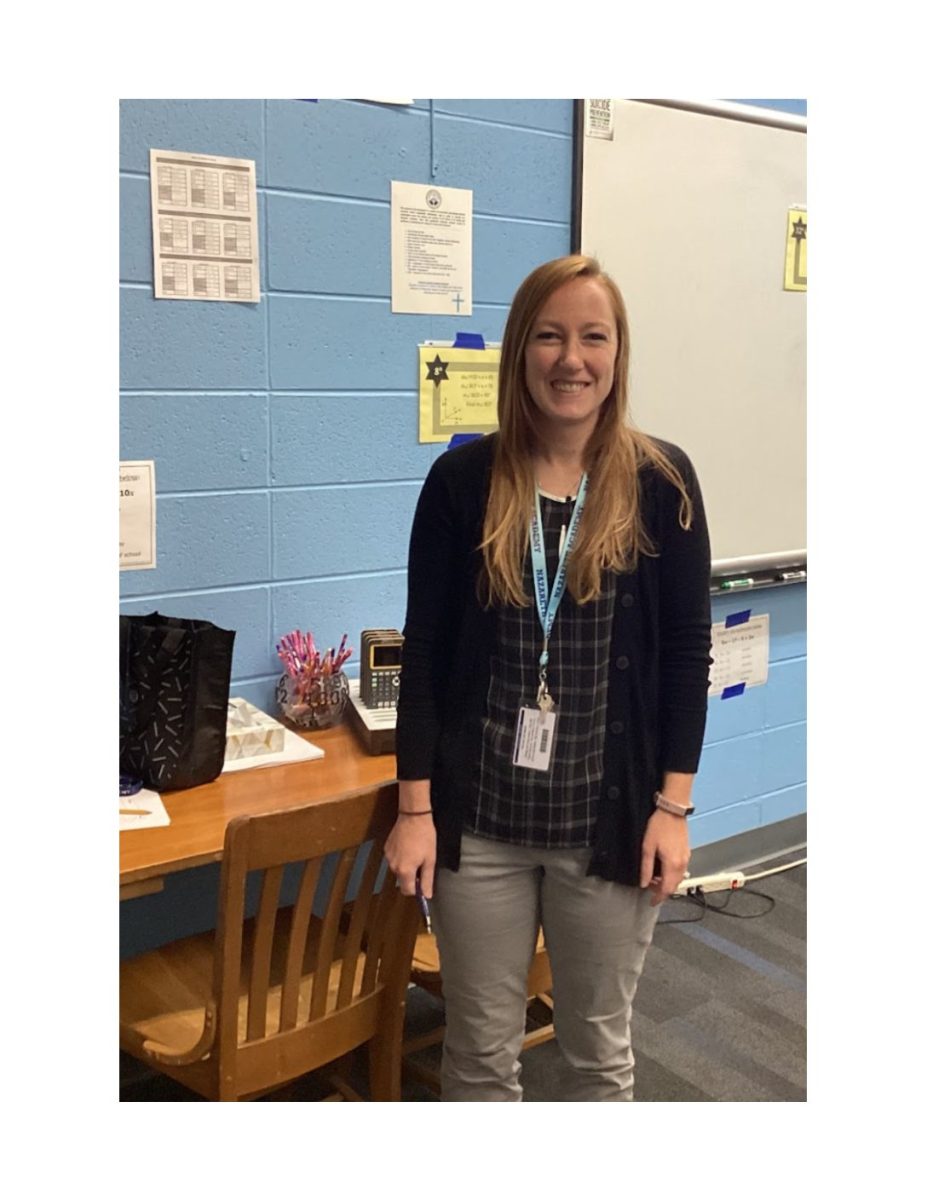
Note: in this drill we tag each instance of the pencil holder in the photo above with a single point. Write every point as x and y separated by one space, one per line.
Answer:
319 706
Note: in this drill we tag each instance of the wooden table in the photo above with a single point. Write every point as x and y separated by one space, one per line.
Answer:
199 815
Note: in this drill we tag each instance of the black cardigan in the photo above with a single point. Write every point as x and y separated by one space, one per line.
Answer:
658 677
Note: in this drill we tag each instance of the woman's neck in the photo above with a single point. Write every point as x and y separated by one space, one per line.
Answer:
559 466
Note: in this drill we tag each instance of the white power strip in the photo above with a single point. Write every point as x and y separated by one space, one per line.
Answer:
724 881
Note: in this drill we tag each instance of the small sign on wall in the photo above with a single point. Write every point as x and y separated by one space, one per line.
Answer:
600 119
137 545
458 391
796 251
740 650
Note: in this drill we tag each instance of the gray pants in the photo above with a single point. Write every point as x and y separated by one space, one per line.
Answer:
486 918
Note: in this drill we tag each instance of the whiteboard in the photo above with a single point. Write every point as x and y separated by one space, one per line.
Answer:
687 209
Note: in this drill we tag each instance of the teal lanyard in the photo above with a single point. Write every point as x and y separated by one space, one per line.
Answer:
547 605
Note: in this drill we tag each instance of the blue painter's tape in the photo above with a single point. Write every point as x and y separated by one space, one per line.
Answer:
737 618
736 689
470 341
458 439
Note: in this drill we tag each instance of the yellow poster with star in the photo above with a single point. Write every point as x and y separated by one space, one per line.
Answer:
796 251
457 391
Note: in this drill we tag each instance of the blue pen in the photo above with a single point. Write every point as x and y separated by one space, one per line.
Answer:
423 904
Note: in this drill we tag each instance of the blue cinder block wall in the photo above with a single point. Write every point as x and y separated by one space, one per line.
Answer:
285 433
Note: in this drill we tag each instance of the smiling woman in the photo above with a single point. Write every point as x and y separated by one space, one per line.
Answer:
570 367
553 695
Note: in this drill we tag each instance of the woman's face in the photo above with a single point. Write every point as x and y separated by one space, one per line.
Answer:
570 356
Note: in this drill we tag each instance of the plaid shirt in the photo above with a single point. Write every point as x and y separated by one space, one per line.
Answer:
557 807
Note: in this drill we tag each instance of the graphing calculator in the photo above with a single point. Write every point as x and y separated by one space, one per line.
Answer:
381 664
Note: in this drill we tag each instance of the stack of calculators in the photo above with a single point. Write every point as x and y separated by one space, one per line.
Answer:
372 707
381 663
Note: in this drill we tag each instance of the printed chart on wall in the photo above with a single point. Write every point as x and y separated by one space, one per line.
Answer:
432 249
457 391
740 650
204 227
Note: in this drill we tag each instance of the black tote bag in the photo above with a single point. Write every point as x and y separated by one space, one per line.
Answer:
174 678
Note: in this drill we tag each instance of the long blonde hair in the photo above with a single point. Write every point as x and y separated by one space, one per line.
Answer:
611 534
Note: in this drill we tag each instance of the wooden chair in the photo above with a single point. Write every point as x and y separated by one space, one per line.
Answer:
426 973
241 1011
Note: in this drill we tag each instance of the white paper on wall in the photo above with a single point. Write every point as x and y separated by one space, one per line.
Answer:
432 249
600 119
137 542
740 653
204 227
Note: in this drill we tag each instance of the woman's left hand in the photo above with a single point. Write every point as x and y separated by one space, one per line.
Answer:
666 838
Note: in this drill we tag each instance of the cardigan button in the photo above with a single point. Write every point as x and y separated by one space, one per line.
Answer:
617 727
622 662
627 600
613 793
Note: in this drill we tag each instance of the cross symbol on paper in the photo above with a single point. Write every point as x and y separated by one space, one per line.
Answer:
458 301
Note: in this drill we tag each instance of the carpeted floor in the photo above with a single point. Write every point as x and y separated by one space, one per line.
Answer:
719 1013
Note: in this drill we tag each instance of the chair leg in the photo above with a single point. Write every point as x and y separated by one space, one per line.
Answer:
385 1067
385 1055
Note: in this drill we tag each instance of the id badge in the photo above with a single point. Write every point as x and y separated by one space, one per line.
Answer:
534 737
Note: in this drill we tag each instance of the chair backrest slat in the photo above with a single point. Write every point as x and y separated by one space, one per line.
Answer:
259 982
379 918
357 927
329 932
296 949
229 939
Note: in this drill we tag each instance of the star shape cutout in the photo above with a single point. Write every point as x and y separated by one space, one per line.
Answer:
437 370
799 229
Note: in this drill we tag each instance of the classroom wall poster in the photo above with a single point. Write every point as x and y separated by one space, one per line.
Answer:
432 249
137 540
204 227
740 650
600 119
796 251
458 391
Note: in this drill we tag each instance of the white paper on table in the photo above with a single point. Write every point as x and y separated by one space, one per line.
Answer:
204 227
432 249
151 814
740 653
295 749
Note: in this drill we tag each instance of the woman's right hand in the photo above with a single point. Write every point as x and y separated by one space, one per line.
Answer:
411 847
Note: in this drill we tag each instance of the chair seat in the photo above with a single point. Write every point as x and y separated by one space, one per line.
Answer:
426 965
426 974
164 993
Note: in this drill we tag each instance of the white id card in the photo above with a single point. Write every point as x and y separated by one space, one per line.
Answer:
534 738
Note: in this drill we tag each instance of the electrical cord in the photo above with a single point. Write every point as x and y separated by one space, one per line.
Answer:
700 899
799 862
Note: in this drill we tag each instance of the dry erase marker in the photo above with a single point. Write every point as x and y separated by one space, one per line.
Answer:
730 584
